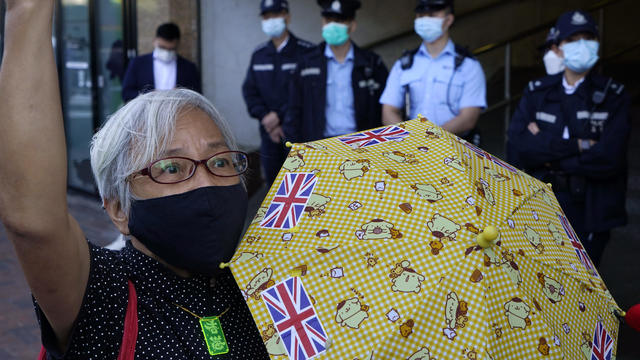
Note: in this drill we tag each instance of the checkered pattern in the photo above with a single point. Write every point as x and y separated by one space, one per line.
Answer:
387 251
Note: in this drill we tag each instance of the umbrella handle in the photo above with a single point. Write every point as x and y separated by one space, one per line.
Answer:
487 236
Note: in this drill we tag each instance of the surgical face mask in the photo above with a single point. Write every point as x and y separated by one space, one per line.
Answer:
194 231
580 55
429 28
165 55
335 33
274 27
553 63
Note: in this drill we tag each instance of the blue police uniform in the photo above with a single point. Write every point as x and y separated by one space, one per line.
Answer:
590 185
309 100
266 89
438 87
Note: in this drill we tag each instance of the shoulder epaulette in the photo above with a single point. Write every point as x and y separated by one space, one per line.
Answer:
544 83
305 43
617 88
406 60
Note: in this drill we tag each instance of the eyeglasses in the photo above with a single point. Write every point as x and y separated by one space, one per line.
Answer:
176 169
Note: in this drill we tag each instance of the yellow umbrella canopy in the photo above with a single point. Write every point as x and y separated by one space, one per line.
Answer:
407 242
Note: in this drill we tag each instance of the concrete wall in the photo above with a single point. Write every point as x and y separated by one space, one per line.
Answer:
231 30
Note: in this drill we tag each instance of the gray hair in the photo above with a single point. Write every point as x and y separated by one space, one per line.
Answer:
138 133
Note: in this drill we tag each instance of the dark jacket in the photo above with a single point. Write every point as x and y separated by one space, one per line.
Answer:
266 85
139 76
549 157
305 119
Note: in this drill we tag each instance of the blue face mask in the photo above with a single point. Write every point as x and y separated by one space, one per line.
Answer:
429 28
274 27
335 33
581 55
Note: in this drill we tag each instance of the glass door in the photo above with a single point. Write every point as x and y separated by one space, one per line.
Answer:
74 62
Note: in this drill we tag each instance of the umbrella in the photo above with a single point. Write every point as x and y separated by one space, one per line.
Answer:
407 242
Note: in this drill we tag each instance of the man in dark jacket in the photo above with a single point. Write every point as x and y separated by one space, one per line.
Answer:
163 69
266 86
572 130
337 86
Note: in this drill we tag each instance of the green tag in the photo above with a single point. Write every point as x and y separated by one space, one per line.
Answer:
213 335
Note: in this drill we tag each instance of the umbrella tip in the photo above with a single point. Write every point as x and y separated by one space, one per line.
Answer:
487 236
223 265
288 144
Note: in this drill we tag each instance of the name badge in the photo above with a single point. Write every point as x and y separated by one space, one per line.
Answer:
310 71
289 66
543 116
263 67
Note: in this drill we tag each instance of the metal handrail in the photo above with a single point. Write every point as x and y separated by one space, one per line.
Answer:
459 16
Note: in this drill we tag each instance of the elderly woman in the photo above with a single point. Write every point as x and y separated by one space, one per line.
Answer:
169 176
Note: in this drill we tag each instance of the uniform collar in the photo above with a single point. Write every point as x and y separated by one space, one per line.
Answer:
448 49
328 53
571 89
284 44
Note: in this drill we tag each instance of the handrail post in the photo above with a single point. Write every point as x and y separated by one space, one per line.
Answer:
507 89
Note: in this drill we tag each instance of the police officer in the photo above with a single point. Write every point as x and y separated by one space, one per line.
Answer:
572 129
443 81
553 63
266 86
337 85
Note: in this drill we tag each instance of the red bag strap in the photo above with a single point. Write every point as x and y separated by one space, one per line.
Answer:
130 335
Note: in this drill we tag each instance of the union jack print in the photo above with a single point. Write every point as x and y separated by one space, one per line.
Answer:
483 154
602 348
295 319
374 137
287 206
581 253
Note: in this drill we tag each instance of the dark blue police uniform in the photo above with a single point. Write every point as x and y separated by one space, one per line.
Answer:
306 117
266 89
590 185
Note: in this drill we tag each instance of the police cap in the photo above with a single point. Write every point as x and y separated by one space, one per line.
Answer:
275 6
423 6
573 22
345 9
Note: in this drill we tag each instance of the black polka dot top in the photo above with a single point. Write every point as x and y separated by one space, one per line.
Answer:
164 330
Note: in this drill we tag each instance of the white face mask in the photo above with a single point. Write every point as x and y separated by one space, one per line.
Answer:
553 63
429 28
164 55
274 27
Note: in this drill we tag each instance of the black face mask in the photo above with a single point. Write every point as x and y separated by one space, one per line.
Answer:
195 230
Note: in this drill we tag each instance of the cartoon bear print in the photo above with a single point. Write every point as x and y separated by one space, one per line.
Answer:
513 271
455 315
405 279
259 282
534 239
422 354
551 288
495 175
517 312
400 157
316 205
352 169
586 346
246 256
351 313
454 162
442 227
294 161
556 233
483 189
272 341
436 246
315 146
378 229
262 211
406 328
433 132
543 347
427 192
